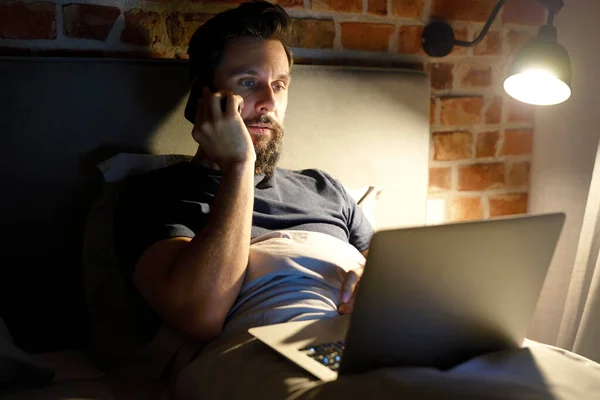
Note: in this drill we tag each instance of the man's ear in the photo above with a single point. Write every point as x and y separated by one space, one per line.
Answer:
192 103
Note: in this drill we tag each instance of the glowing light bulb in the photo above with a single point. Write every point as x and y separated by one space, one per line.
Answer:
537 86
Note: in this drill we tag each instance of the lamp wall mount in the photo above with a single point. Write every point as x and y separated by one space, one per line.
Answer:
439 39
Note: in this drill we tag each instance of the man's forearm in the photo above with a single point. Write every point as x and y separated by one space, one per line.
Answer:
206 277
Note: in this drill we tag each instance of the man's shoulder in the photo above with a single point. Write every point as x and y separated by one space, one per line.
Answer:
310 173
155 186
147 180
309 176
172 175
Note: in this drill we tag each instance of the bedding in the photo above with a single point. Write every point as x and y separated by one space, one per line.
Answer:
208 372
291 276
115 314
296 275
245 368
18 368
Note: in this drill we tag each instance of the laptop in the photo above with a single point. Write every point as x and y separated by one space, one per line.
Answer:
432 296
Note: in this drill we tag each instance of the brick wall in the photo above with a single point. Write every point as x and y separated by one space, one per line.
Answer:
481 140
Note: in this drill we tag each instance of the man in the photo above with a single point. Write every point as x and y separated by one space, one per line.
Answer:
192 275
185 231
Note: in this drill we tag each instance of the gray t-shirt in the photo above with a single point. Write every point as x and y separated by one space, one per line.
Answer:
176 201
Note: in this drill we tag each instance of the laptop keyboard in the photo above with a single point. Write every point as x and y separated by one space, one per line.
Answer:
328 354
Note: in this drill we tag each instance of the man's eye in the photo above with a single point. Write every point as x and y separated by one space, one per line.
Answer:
279 88
246 83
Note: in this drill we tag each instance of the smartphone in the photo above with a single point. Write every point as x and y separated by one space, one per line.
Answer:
192 104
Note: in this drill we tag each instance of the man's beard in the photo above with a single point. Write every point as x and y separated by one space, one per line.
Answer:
267 148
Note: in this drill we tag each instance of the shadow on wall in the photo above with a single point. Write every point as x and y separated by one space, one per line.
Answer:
58 119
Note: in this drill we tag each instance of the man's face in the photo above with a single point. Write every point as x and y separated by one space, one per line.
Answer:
258 71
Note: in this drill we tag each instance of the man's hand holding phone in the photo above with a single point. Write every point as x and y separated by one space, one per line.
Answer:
222 135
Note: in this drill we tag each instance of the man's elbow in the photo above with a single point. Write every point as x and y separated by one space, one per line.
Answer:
200 326
204 332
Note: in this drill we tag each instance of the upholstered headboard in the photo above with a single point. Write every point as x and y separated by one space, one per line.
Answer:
60 117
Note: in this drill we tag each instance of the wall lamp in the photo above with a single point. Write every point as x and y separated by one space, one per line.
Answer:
540 74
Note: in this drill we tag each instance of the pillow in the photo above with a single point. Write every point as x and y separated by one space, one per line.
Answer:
114 309
126 165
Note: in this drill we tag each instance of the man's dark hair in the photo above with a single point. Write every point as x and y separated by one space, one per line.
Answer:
258 19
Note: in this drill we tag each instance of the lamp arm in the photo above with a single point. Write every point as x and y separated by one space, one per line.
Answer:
553 7
551 15
485 29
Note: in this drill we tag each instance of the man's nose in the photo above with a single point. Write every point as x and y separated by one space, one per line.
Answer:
266 101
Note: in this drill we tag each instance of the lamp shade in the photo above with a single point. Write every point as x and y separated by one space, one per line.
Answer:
541 72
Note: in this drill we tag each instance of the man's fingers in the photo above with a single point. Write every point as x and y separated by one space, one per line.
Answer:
345 308
348 286
201 130
352 278
204 148
201 110
235 104
215 106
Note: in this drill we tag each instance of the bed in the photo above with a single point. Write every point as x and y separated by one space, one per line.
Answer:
62 117
72 127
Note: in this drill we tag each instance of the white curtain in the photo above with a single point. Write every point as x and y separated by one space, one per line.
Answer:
580 325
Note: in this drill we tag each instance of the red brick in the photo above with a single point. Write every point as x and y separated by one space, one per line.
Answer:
518 174
290 3
89 21
517 142
28 20
460 33
524 12
441 75
410 39
58 52
481 176
61 52
465 209
439 179
448 146
493 113
142 27
408 8
519 112
461 110
491 45
313 33
147 54
509 204
361 62
432 111
462 10
475 76
228 3
377 7
181 26
487 144
516 40
349 6
366 36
